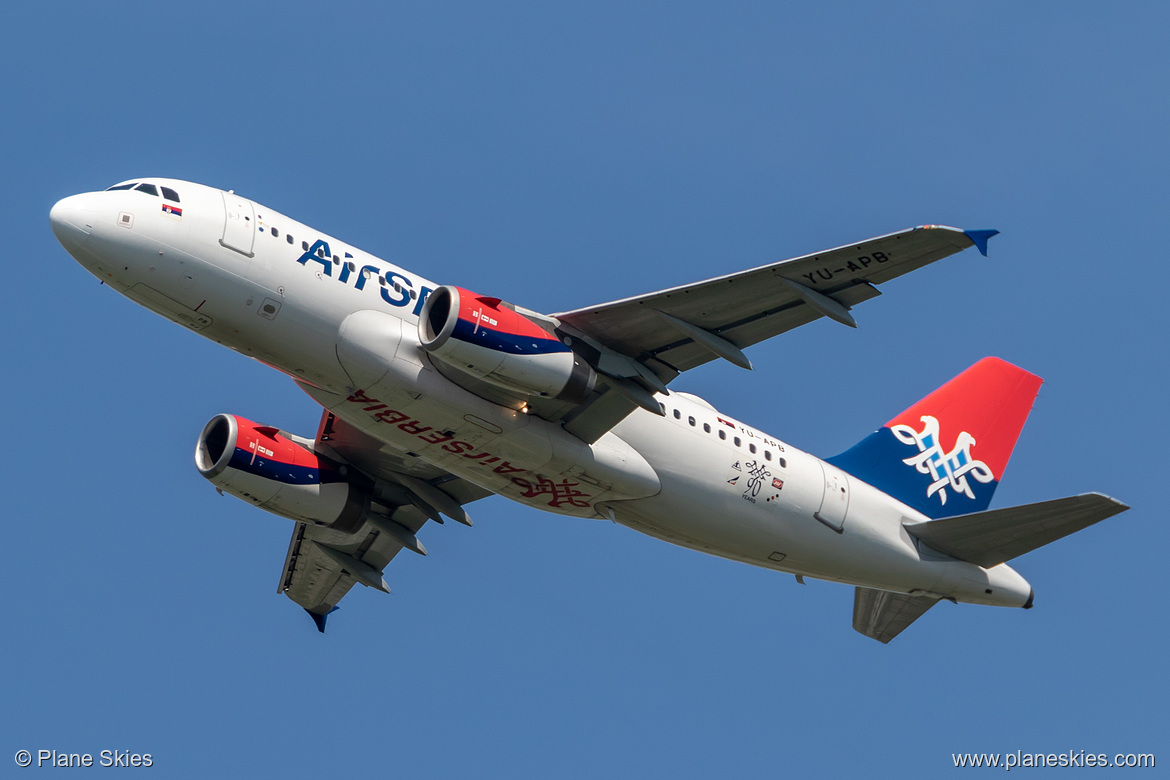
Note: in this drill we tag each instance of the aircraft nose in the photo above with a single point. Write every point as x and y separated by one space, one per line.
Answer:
72 220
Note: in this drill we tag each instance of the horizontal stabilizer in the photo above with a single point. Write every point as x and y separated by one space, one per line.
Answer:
883 615
991 537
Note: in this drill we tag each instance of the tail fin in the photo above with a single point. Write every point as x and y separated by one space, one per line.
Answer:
945 455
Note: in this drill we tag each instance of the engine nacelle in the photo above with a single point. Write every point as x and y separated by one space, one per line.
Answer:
257 464
483 337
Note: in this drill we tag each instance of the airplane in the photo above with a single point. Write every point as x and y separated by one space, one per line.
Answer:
434 397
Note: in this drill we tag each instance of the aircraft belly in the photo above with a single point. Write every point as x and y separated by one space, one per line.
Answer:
413 408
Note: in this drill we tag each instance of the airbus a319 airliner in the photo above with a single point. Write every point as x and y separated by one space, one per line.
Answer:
435 396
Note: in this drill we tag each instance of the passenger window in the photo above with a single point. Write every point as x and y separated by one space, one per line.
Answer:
783 463
121 186
737 441
723 434
170 194
413 294
275 233
691 420
149 189
706 428
336 260
751 448
289 237
304 246
677 414
767 454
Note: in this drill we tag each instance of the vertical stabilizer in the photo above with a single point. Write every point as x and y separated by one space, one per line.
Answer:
945 455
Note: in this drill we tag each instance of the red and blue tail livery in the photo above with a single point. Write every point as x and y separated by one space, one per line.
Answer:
945 455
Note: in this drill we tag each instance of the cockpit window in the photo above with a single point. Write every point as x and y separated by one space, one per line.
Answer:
169 194
149 189
121 186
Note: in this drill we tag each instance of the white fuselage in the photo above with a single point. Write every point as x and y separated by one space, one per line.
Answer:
344 324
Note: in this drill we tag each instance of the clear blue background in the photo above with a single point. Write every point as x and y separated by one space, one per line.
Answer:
559 156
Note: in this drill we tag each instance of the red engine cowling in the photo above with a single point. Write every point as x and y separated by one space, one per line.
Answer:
483 337
259 465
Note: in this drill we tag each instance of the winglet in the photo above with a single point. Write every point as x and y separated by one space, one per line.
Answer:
979 238
320 619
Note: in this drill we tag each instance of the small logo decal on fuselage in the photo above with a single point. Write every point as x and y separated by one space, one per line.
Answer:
946 469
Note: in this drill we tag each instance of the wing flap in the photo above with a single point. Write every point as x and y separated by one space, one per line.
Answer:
883 615
994 536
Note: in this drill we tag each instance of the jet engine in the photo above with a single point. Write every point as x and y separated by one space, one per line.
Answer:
263 466
489 339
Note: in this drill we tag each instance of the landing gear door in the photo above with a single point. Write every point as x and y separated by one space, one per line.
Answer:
239 228
835 500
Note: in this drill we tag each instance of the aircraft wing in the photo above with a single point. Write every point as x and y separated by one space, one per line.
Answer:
639 344
323 563
744 308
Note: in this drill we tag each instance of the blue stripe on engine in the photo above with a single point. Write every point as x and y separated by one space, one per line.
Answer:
505 342
287 473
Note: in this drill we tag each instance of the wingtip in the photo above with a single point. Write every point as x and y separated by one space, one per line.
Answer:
319 620
979 238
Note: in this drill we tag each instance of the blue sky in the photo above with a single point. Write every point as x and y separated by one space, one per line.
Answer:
558 156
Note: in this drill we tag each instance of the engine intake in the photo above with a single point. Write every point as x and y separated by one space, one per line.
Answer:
257 464
488 339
